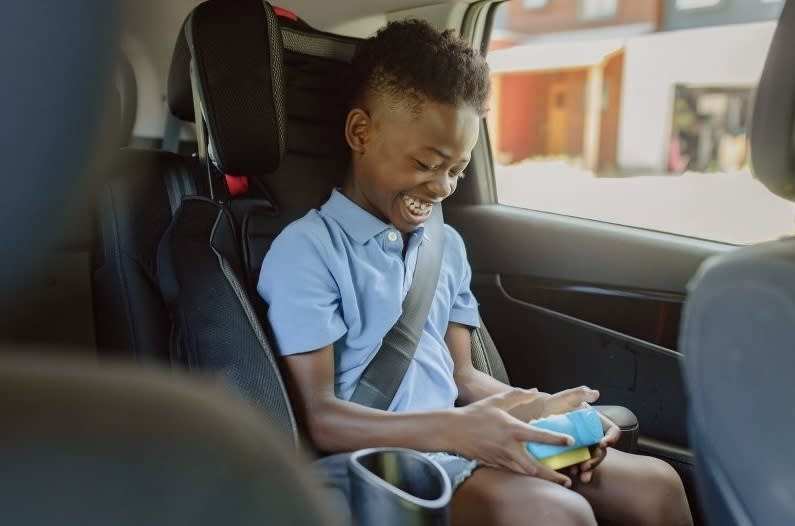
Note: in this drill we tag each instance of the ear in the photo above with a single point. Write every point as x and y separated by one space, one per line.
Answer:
357 129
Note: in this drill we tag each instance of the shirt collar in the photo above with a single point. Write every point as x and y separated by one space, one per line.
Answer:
357 222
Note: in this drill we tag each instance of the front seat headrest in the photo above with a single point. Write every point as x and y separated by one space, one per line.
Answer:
237 65
773 125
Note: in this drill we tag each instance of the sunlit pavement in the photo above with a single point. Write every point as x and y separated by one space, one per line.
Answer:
727 207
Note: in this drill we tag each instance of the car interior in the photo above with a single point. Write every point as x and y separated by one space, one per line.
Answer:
161 365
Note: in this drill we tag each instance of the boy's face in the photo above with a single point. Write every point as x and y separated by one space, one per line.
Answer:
405 161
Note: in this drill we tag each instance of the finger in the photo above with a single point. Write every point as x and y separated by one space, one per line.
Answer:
512 398
574 470
586 476
597 455
578 395
530 433
611 437
534 468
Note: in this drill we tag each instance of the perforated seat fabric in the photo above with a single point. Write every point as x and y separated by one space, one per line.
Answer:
216 329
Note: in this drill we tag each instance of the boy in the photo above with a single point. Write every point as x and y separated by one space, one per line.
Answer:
335 280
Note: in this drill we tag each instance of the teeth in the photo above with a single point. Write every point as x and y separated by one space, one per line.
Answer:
417 207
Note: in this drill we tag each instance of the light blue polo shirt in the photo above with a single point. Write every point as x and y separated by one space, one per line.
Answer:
338 276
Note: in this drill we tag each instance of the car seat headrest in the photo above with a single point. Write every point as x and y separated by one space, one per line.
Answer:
773 126
236 60
125 98
178 91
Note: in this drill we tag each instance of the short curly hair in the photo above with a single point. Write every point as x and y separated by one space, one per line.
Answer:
410 58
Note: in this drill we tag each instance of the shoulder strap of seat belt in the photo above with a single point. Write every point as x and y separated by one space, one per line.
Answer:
385 372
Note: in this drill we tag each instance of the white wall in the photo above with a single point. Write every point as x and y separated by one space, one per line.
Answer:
653 64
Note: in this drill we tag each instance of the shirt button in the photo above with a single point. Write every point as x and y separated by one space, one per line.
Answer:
392 236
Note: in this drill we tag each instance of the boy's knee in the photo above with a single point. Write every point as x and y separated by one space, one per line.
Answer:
665 495
570 508
665 480
557 506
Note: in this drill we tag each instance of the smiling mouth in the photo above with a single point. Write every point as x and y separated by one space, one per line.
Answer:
417 207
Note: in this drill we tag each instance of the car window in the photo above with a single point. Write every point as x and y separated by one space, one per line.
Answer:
635 112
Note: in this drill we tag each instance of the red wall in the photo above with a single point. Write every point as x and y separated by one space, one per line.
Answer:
522 112
518 116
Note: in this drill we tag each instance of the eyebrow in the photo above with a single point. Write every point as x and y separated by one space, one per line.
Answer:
440 153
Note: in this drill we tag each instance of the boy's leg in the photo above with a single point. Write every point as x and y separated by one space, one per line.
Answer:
497 497
634 489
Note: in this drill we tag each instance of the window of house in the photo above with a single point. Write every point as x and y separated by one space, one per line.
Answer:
696 4
598 9
534 4
646 130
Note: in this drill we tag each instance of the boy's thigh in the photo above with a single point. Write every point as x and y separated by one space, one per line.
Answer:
636 488
495 496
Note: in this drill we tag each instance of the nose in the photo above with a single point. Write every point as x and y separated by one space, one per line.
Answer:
442 185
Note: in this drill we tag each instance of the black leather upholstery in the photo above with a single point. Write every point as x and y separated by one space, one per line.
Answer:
738 334
133 214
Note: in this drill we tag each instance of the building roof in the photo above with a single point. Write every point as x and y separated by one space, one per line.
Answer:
550 56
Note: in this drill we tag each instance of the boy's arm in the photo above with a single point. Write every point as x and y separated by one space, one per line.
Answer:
483 430
474 385
338 425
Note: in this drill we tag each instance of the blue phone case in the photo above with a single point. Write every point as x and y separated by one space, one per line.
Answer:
583 425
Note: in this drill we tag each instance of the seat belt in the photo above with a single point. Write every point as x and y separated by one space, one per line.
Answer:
385 372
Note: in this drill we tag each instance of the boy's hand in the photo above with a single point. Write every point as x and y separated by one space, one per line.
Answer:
487 432
598 452
555 404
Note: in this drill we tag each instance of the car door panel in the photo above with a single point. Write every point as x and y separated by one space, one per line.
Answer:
571 301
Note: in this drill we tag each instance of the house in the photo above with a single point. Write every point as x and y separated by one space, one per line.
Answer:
628 86
557 77
693 85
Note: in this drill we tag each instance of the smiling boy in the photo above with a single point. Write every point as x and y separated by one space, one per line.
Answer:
335 281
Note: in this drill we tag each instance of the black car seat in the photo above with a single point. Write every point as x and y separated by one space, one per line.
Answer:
738 334
134 208
256 106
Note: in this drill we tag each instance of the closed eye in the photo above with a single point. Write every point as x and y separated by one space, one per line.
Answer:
422 166
457 173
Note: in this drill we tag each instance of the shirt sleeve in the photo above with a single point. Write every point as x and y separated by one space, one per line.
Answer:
302 296
464 309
